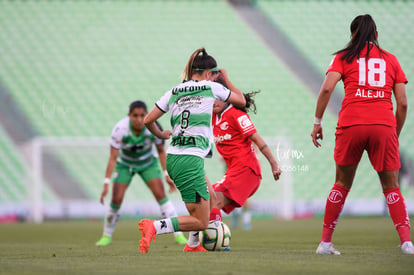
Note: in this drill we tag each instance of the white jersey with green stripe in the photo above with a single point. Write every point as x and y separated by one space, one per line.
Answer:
134 151
191 106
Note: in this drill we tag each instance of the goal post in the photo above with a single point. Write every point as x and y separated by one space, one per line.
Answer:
39 145
279 146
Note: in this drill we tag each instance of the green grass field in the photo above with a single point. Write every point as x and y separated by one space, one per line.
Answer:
368 246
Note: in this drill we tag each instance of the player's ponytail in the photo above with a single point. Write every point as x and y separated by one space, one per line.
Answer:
363 30
198 62
250 104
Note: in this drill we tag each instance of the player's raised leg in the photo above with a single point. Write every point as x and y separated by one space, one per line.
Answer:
193 223
168 211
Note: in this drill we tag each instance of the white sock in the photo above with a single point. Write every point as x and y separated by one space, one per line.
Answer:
111 219
193 238
164 226
168 211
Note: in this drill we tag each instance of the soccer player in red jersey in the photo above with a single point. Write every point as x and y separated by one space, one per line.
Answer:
366 122
234 133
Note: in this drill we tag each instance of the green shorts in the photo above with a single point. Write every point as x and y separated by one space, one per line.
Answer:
124 173
188 174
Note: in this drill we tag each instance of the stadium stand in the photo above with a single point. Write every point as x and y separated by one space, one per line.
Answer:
12 186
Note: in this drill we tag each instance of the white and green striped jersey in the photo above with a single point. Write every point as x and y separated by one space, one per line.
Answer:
191 106
134 151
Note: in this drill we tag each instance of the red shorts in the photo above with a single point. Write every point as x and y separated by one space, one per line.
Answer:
238 186
380 142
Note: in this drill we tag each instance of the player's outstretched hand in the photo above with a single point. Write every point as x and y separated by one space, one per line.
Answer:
171 183
276 171
317 134
104 193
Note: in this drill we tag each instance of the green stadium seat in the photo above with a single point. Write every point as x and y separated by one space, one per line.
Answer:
74 67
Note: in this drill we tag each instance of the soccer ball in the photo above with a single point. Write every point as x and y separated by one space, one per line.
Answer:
216 237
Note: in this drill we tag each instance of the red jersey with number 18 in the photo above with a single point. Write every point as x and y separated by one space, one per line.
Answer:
368 87
231 132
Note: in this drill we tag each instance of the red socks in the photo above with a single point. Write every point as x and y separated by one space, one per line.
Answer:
334 204
398 213
215 215
396 207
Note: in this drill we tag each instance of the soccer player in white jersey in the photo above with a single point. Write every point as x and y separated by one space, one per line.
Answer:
190 105
132 152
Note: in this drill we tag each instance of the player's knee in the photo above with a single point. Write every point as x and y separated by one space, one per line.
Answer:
220 204
203 224
117 200
221 200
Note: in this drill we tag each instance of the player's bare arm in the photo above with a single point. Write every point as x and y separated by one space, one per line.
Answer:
401 101
149 122
325 93
236 97
261 144
113 155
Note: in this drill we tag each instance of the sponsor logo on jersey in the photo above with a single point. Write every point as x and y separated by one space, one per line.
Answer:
219 139
183 141
132 147
244 121
224 125
187 100
114 139
335 196
188 89
393 198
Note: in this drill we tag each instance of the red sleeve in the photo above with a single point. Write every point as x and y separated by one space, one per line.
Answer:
243 122
336 65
